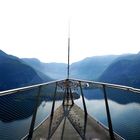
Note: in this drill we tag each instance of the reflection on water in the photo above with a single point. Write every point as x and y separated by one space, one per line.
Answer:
125 115
125 118
44 110
21 127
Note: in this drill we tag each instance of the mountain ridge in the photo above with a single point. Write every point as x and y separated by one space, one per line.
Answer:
15 73
123 71
78 69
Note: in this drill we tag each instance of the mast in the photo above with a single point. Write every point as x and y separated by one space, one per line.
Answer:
68 70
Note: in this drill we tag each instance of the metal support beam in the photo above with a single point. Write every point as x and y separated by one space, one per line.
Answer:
108 115
71 96
64 97
85 125
52 112
84 104
67 95
34 115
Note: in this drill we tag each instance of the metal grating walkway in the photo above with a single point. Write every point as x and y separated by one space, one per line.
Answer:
70 122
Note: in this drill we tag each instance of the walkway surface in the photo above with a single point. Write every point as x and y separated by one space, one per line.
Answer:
71 123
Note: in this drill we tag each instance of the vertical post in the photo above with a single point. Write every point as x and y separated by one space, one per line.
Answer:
84 104
52 112
108 115
67 95
34 115
71 96
64 97
85 124
67 90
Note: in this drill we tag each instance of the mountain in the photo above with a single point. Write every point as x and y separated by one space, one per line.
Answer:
35 63
38 66
15 73
57 70
124 70
92 67
53 70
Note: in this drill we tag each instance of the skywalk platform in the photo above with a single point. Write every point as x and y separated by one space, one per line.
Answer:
69 122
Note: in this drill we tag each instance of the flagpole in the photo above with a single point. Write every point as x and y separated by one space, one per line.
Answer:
68 72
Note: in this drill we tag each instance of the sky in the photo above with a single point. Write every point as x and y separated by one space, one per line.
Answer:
39 28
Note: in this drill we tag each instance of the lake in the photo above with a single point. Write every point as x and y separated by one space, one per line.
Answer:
16 113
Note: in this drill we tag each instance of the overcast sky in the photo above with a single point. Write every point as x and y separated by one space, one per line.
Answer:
39 28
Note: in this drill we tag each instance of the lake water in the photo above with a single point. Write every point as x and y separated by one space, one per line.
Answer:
16 117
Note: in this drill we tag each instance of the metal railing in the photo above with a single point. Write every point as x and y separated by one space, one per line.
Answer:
104 86
19 91
71 83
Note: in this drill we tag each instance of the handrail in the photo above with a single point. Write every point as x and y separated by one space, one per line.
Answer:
115 86
96 84
11 91
75 82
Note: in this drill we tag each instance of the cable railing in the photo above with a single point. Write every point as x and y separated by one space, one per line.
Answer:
18 109
121 95
23 103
